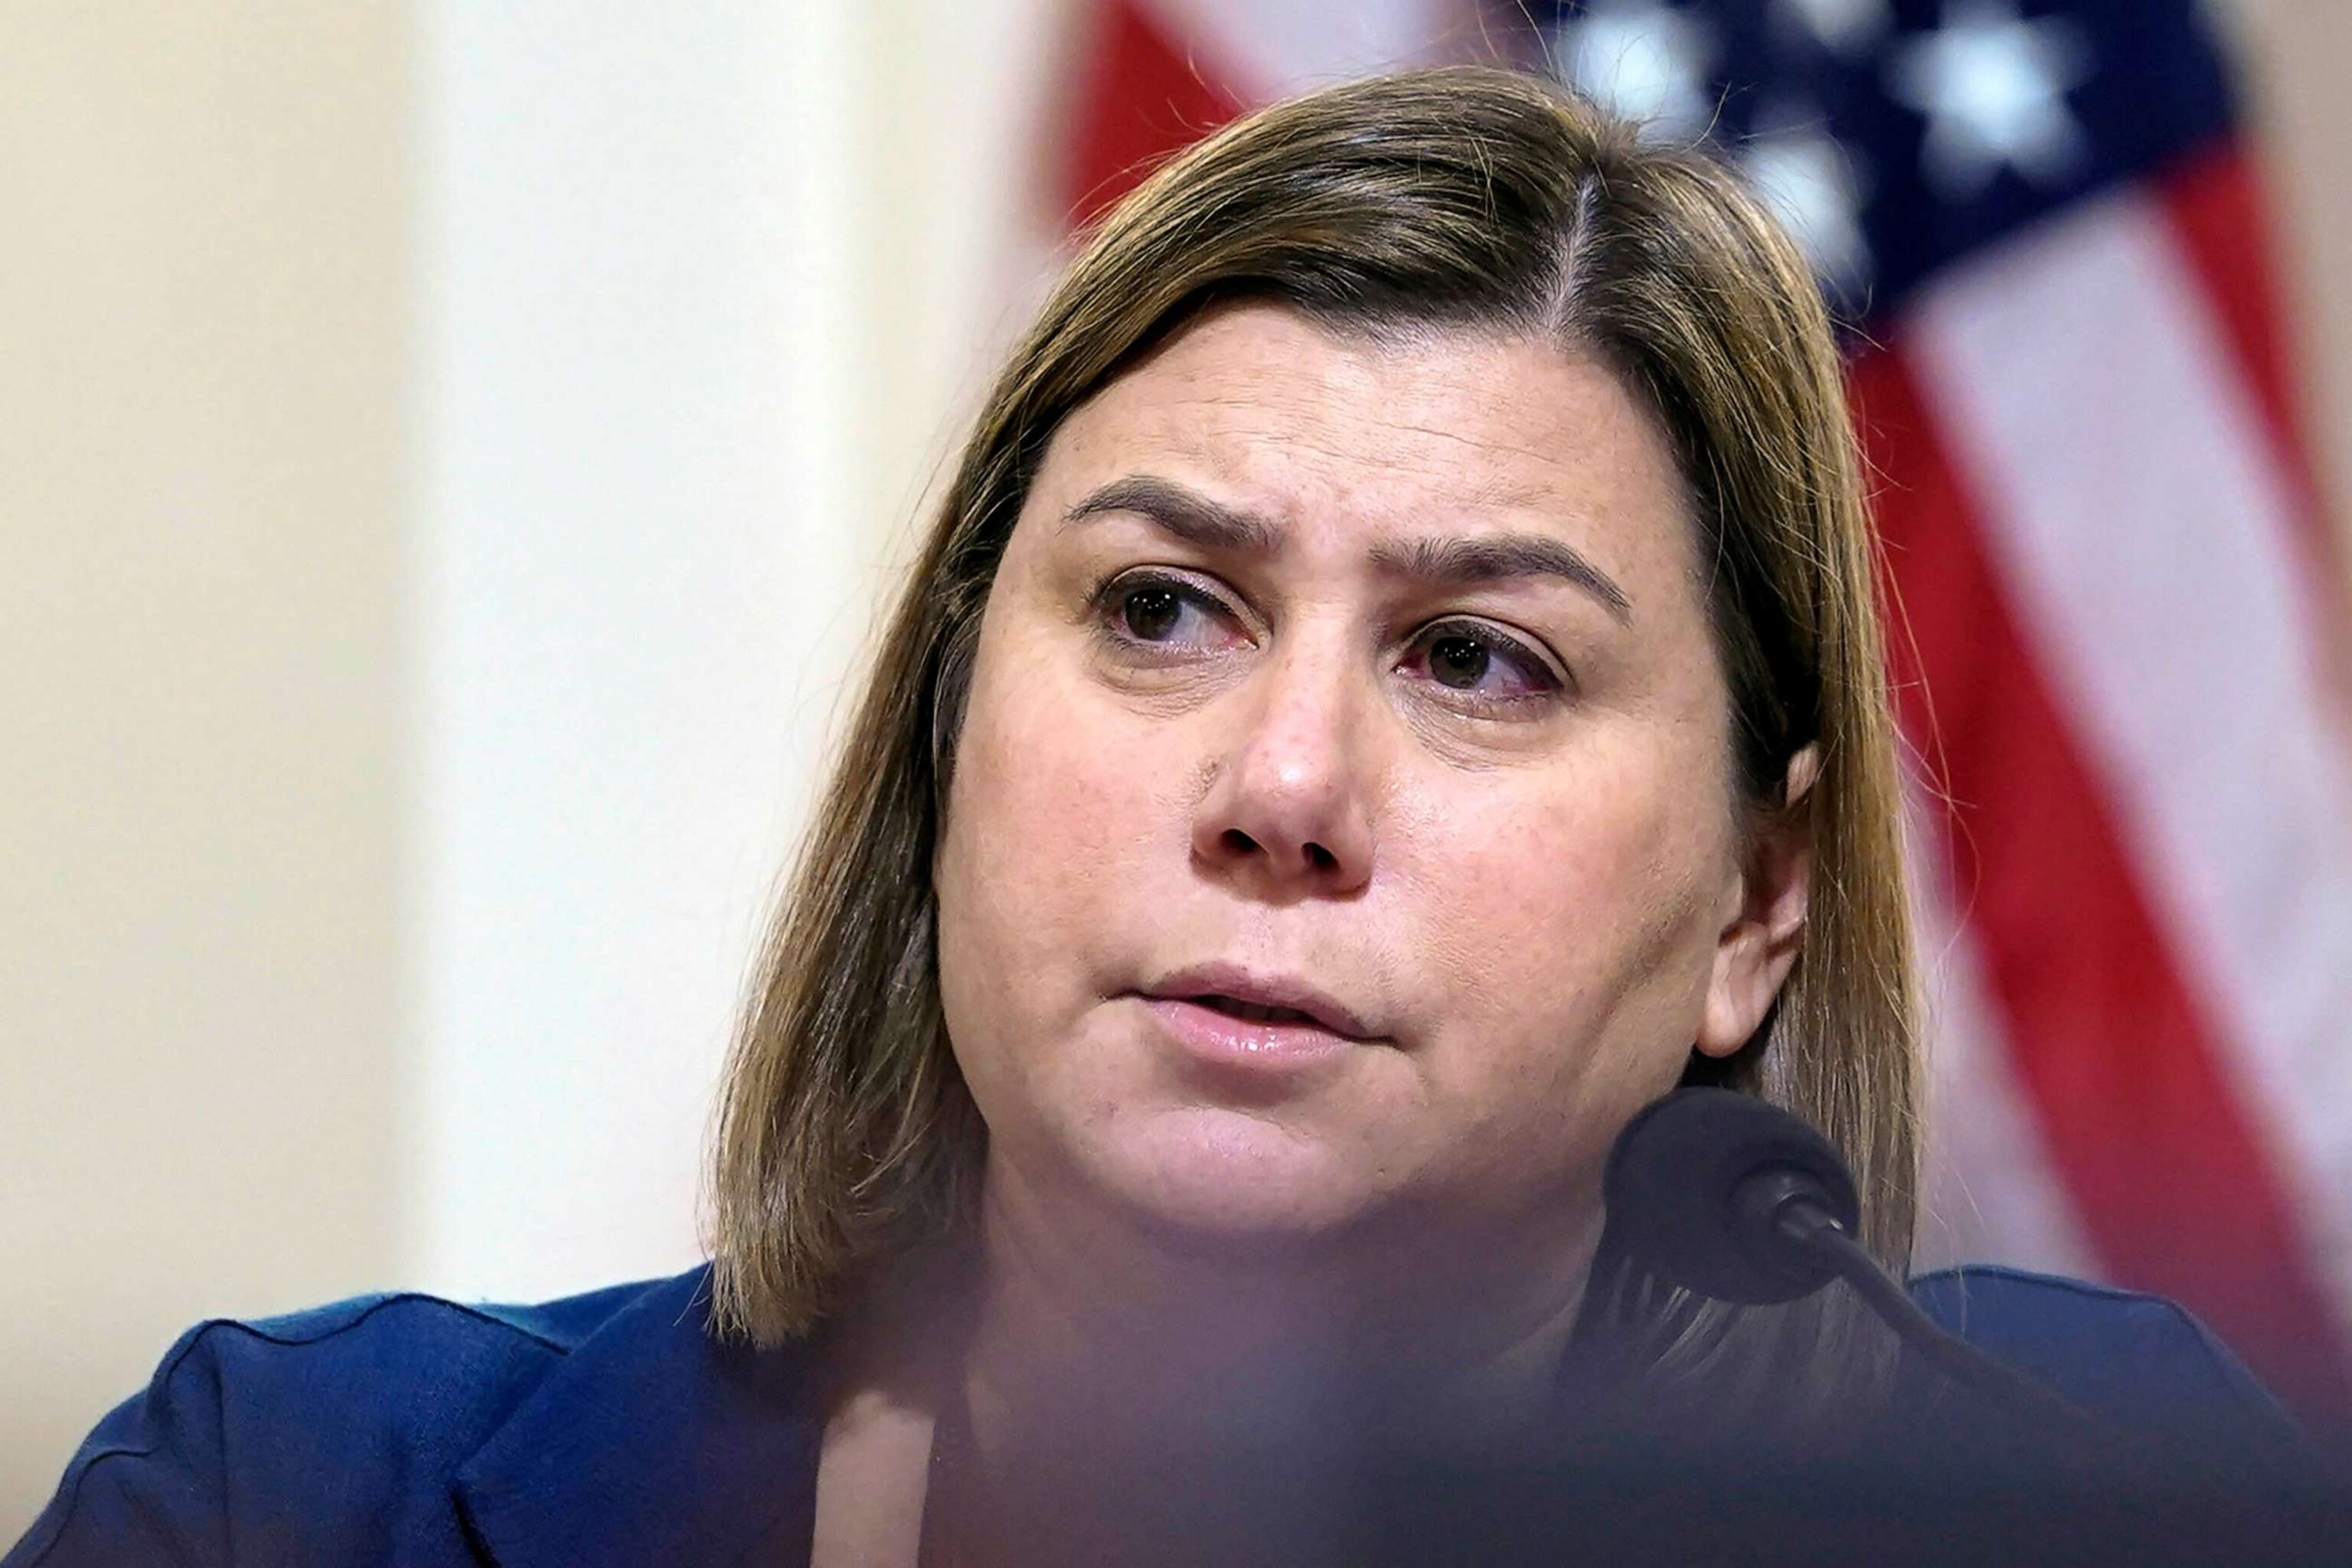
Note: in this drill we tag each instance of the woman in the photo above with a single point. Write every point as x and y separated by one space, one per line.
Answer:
1393 688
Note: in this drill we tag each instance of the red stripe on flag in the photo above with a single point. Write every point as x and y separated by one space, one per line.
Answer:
1141 96
2220 213
2222 217
2217 210
2119 1059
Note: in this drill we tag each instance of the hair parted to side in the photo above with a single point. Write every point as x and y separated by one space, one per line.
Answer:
1461 197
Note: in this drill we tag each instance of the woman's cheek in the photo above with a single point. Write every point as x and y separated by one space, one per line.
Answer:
1060 794
1560 911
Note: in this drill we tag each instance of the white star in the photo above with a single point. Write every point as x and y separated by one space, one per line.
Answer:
1994 88
1844 25
1813 181
1643 61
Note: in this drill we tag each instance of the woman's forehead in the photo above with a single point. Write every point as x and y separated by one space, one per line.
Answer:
1340 434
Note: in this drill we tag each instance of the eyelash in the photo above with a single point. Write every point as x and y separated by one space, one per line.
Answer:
1109 596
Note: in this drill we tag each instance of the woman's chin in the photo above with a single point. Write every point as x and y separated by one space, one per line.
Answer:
1217 1174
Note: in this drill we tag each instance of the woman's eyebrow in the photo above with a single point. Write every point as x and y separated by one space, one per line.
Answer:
1186 513
1455 563
1488 558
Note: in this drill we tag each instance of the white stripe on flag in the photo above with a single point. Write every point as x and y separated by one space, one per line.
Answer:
2128 498
1261 51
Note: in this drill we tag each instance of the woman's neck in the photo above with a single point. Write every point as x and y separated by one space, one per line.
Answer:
1093 1393
1109 1345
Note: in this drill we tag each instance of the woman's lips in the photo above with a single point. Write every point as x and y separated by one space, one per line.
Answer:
1222 1039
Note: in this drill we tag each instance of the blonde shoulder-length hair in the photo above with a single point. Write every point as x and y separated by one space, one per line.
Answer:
1460 198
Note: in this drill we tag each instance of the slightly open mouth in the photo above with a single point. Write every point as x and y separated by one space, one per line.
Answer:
1235 1007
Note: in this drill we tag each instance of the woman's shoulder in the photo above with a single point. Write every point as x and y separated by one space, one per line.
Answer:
400 1419
2129 1356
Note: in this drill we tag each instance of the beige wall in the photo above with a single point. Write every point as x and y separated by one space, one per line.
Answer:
207 531
201 351
2301 51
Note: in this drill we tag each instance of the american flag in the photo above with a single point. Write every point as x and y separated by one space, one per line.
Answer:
2118 616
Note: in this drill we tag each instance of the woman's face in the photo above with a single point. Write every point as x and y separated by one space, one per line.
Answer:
1342 834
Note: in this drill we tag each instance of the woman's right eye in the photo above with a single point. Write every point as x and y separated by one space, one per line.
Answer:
1163 612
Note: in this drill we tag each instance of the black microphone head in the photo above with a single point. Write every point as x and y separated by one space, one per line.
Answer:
1681 1185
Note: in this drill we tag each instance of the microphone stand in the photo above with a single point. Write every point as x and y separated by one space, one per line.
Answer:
1807 1224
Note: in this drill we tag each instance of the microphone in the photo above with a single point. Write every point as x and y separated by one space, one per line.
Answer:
1721 1194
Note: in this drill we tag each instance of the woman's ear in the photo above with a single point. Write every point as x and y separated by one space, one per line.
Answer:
1765 916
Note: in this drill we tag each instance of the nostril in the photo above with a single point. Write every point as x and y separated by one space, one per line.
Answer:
1320 859
1240 843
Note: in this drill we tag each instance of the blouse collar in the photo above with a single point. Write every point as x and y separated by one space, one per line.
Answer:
653 1442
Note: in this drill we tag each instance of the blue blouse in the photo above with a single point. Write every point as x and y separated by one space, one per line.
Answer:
613 1428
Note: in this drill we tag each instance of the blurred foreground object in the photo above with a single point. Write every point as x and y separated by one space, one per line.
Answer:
2118 610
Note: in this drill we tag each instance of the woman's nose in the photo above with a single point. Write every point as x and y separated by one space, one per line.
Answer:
1286 804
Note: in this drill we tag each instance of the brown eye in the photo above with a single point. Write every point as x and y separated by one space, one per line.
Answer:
1168 615
1151 612
1458 661
1482 664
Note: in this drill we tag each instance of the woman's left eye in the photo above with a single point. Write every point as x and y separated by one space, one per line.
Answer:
1480 662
